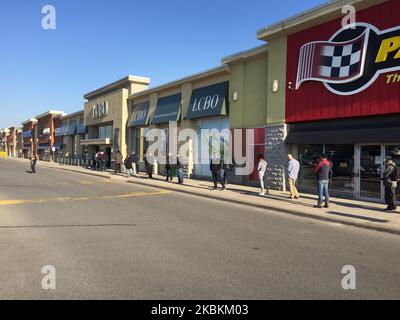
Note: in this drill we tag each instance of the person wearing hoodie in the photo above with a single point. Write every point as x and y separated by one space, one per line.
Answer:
323 172
390 182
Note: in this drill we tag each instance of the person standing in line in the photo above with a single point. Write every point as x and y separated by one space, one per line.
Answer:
118 161
323 172
168 169
135 166
262 169
179 167
33 162
215 168
293 173
390 181
105 160
149 166
96 161
128 165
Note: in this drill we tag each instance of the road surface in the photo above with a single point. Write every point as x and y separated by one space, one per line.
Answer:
115 240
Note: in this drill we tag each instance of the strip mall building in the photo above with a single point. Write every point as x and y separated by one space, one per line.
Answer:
340 91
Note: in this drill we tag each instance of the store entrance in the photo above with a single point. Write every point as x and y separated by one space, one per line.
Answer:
370 165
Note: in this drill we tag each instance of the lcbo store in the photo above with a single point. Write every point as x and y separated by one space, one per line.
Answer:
343 96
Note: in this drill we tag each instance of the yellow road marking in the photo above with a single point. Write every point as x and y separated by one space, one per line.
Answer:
66 199
135 194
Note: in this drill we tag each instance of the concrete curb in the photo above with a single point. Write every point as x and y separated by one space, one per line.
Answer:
369 226
82 172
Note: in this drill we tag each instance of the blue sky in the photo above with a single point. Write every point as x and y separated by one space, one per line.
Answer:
99 41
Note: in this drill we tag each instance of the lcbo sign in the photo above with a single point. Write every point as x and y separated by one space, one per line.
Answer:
205 103
100 110
139 115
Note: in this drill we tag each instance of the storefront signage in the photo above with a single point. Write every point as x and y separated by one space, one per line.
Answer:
208 101
100 110
27 134
168 109
140 115
351 60
46 131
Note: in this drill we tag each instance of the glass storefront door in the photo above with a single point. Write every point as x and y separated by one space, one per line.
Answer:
370 165
393 151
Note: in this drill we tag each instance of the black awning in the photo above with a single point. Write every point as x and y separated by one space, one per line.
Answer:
140 115
346 131
81 127
71 128
168 109
209 101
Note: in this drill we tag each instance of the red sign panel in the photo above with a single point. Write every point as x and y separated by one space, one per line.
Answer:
340 73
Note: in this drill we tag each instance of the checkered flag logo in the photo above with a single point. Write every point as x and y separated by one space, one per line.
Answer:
332 62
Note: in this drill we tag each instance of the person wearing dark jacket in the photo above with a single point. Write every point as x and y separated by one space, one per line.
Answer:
129 161
168 170
33 163
323 172
149 166
390 183
215 168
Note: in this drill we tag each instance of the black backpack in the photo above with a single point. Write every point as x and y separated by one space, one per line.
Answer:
396 174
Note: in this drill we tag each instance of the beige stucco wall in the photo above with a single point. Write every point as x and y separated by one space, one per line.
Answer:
277 71
117 115
249 79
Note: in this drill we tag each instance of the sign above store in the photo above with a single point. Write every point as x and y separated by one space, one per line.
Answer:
168 109
100 110
208 101
140 115
351 60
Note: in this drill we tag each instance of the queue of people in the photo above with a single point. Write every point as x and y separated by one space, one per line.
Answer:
219 171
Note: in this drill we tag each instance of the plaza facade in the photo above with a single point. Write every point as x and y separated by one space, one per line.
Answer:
314 87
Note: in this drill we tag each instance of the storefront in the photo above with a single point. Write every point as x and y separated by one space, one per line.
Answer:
342 96
250 117
168 110
45 135
106 117
29 137
4 145
71 132
185 106
138 127
208 108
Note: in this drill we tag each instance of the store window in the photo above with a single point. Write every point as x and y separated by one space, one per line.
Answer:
105 132
342 160
394 153
308 155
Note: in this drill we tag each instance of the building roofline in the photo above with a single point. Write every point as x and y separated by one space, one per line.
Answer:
116 85
34 120
309 18
72 114
51 112
175 83
245 54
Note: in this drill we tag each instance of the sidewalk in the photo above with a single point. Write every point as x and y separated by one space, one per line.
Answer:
349 212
